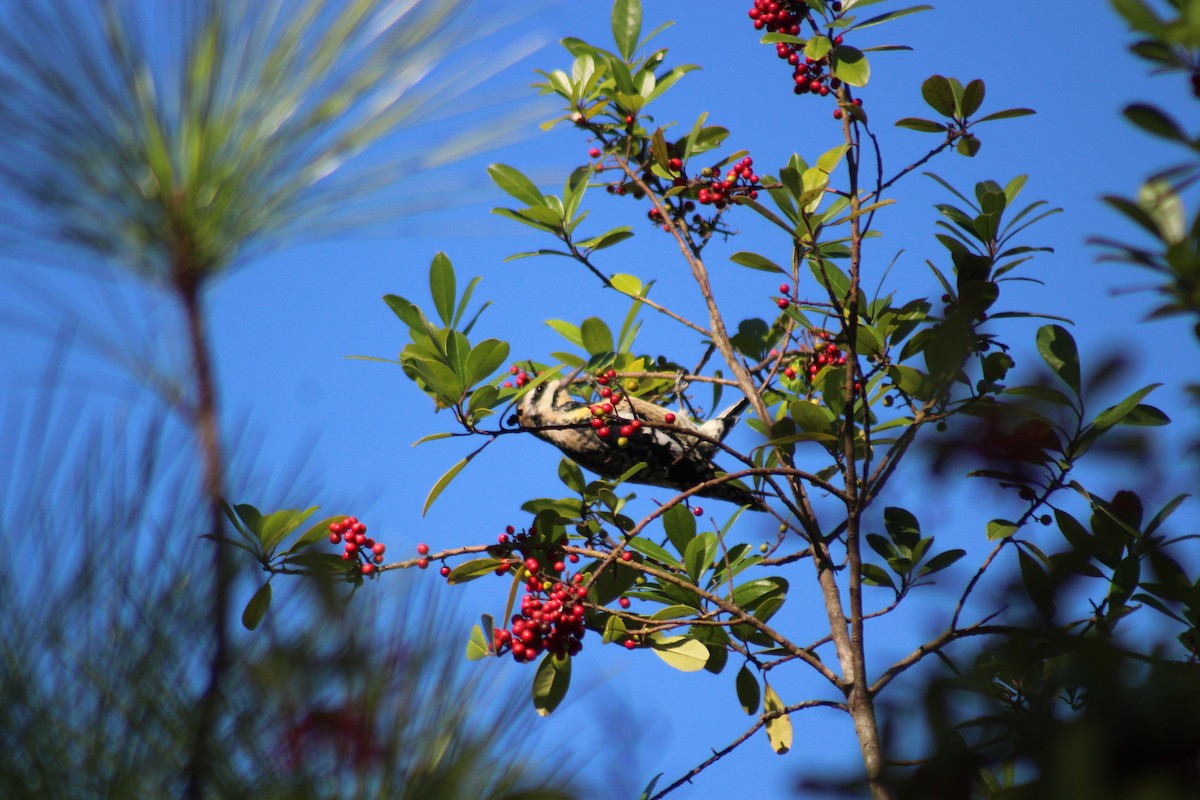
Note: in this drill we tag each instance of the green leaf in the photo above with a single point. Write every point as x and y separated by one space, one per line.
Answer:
443 482
939 95
484 359
627 284
972 97
941 561
888 17
748 691
607 239
1037 584
850 65
922 125
902 527
1008 113
654 552
755 261
1000 529
699 555
442 287
317 532
477 645
626 26
817 47
681 652
1115 415
408 312
680 526
875 575
551 682
475 568
257 607
1058 350
779 729
571 475
277 525
514 183
597 338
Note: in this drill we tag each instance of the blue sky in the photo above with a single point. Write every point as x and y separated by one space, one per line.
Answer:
284 326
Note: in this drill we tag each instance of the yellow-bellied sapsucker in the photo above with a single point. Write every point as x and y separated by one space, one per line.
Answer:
608 439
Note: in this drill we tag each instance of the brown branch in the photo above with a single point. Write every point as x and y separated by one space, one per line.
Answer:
762 720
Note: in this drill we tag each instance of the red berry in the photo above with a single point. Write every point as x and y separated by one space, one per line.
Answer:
782 302
698 511
594 152
837 113
367 569
531 564
624 601
445 572
603 432
630 644
785 289
675 164
789 372
378 559
559 566
573 558
423 548
628 119
626 556
423 563
669 418
378 548
335 538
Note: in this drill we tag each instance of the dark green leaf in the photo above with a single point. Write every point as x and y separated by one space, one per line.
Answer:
939 95
257 607
1154 121
941 561
1037 584
922 125
1115 415
748 691
902 527
654 552
475 568
875 575
1058 350
755 261
680 526
1007 113
550 683
972 97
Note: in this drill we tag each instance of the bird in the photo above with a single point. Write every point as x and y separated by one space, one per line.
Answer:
674 459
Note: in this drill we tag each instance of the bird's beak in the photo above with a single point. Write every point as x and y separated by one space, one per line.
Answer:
572 375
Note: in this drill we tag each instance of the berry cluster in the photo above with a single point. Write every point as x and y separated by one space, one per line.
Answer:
809 75
824 353
740 180
606 420
775 17
552 612
520 377
551 620
358 545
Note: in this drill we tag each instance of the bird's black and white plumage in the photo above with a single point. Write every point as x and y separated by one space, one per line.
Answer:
674 459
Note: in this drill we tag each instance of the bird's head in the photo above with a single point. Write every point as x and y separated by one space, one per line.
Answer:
545 403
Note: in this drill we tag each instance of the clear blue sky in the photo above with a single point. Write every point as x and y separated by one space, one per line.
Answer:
283 327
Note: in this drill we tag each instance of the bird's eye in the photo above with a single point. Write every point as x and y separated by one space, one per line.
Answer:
538 389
